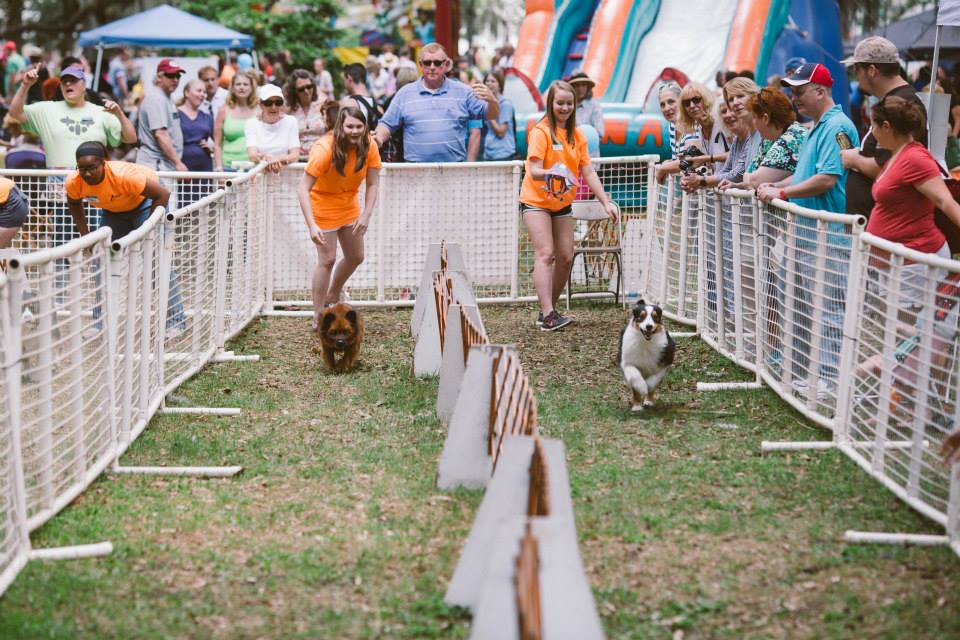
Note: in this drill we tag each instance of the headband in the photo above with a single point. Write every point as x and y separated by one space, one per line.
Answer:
91 149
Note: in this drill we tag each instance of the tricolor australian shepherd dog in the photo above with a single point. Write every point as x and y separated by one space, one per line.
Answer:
646 352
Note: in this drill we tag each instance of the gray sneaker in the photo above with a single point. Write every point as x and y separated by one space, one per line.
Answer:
554 321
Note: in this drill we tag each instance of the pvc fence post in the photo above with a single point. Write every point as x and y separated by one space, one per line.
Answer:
381 237
13 369
515 247
267 246
220 247
851 320
166 260
45 317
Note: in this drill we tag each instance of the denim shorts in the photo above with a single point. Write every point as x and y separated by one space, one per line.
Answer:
14 211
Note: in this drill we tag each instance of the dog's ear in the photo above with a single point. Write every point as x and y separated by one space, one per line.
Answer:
641 303
327 320
352 318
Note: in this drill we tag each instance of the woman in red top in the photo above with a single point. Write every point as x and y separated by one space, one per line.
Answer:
909 187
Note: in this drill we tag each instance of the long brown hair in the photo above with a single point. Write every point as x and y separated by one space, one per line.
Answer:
340 141
571 126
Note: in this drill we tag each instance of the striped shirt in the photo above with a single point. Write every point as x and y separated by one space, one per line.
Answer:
434 122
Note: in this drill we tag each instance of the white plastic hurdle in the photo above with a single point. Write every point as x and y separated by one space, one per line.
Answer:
517 488
441 256
566 602
447 287
499 403
528 497
464 329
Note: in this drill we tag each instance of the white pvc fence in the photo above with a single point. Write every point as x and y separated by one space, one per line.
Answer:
858 334
95 333
472 204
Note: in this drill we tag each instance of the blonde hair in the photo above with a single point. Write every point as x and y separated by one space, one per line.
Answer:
740 86
686 124
186 87
251 100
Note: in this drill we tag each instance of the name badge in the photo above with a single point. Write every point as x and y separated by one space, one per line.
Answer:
558 147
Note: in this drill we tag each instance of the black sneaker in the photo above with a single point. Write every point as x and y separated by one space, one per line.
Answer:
540 319
554 321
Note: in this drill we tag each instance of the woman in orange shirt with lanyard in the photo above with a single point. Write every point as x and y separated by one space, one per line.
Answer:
126 192
556 154
329 195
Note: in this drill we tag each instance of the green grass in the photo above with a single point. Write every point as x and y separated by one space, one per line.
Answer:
335 530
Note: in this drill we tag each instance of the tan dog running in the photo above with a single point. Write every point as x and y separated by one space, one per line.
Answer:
341 334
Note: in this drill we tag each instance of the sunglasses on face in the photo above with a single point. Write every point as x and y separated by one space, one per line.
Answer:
171 76
433 63
689 101
305 88
272 103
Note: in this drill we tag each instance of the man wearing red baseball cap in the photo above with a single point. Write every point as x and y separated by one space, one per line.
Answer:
158 128
819 181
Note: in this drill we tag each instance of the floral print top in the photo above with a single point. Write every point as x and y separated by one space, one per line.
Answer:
783 152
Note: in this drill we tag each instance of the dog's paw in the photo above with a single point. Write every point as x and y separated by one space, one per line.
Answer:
638 408
647 404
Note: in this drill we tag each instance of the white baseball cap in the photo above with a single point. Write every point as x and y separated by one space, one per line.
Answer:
268 91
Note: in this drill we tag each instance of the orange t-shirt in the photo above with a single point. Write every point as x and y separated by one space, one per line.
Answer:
335 198
6 184
574 156
120 191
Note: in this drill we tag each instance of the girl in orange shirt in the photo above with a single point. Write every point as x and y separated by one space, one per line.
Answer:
329 195
556 154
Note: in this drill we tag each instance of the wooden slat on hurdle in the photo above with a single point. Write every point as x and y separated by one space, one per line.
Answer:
526 584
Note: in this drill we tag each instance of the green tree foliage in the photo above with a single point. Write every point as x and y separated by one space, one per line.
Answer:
307 32
53 24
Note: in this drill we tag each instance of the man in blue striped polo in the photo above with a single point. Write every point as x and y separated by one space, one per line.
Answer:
433 111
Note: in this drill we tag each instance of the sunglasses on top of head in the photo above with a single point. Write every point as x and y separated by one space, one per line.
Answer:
272 102
433 63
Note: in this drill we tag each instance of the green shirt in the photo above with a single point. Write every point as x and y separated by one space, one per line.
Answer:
62 128
15 63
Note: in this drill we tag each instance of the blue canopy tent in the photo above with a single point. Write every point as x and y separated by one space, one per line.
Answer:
181 30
